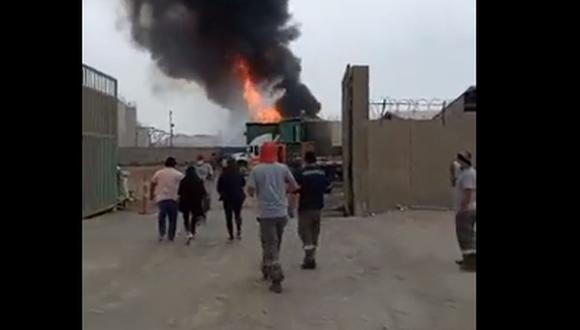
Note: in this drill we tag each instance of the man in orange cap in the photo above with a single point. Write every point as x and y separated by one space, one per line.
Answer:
270 181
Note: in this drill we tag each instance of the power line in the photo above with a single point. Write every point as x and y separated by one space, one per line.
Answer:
171 125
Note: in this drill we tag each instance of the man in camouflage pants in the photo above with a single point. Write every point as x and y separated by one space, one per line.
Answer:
270 181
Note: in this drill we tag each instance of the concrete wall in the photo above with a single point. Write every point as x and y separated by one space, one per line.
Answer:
127 125
336 133
189 141
406 162
319 133
355 115
409 161
154 156
347 141
390 171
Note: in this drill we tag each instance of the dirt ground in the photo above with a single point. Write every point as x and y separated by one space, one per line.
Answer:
391 271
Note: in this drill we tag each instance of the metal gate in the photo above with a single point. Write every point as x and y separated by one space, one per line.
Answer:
99 137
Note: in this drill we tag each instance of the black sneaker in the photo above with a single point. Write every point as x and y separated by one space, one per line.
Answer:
467 268
309 264
265 273
468 264
239 235
276 287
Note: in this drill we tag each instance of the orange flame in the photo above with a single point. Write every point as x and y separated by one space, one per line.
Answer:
259 111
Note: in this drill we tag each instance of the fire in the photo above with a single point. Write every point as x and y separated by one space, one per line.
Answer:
260 111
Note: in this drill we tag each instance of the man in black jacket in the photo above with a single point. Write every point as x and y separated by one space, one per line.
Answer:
313 184
230 186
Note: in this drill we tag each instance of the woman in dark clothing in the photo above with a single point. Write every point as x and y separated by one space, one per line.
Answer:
191 194
231 189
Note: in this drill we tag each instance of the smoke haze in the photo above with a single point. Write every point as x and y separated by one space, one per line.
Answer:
200 40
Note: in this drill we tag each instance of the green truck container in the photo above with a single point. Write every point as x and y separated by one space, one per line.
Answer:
291 131
253 130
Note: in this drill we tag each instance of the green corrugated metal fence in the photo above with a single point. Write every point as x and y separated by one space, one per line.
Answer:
99 136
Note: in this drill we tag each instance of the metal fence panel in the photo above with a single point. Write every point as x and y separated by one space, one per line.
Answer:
99 174
99 139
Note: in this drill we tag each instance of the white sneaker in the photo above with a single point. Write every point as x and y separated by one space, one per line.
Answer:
189 235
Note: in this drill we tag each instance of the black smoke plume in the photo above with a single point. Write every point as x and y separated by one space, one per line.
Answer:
200 40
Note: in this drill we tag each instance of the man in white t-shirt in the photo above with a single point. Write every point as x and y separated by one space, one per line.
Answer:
164 187
454 172
465 205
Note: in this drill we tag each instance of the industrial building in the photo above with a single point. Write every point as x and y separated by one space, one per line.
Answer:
462 106
126 124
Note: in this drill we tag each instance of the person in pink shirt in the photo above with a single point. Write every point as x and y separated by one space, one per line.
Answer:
164 189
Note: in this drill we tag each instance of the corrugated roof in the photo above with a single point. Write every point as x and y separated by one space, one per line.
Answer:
468 90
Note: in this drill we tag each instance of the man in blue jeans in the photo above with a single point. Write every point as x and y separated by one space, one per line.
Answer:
164 188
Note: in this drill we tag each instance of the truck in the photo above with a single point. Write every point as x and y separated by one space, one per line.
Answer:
256 135
295 136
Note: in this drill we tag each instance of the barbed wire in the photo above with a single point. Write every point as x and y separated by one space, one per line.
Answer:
378 109
156 137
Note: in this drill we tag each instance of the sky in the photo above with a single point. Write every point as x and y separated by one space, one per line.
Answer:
414 48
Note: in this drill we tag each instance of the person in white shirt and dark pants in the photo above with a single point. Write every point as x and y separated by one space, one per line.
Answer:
465 211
